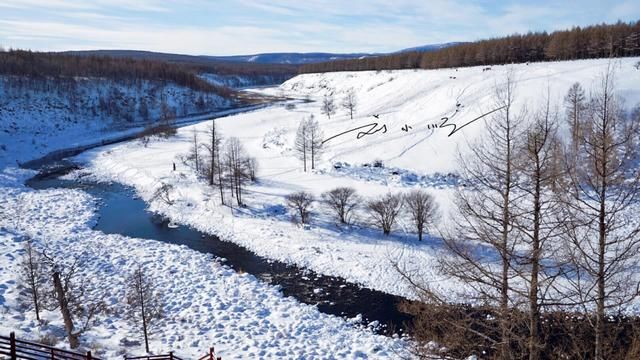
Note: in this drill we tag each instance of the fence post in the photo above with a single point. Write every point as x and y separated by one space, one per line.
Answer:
12 346
88 355
211 353
170 355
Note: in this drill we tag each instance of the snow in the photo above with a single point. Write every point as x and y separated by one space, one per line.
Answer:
207 303
421 158
242 317
40 116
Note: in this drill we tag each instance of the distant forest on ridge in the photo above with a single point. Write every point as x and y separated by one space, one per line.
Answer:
597 41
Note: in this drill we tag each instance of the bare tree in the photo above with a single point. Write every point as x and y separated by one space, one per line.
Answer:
603 239
194 151
308 142
315 139
70 296
214 168
328 105
485 215
145 302
350 102
33 276
422 209
236 159
539 221
302 146
342 201
384 211
300 202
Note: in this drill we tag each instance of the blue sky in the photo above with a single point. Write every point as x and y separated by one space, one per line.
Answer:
226 27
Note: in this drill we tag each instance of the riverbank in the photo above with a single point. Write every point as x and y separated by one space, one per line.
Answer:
207 302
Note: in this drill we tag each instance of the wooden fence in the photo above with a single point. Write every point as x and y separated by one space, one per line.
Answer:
211 355
20 349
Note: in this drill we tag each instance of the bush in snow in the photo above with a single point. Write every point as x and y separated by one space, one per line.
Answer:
163 193
384 211
342 201
300 203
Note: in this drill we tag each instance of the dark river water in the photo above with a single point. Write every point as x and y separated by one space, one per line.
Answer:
121 212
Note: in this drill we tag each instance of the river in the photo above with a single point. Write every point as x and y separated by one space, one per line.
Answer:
122 212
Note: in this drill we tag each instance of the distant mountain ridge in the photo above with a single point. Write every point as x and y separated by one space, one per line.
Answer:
284 58
290 58
431 47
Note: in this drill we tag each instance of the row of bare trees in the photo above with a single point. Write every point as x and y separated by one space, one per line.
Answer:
225 164
596 41
349 103
544 226
309 136
308 141
55 283
382 212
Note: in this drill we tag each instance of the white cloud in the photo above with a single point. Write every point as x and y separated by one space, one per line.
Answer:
252 26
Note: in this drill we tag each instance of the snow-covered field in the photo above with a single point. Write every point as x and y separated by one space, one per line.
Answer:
206 303
242 317
420 157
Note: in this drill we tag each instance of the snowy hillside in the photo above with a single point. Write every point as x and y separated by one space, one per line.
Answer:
423 156
422 97
39 115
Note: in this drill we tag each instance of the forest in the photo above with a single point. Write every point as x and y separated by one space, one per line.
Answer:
596 41
50 65
201 64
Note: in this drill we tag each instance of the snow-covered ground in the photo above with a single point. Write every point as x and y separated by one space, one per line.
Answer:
206 303
210 304
423 157
38 116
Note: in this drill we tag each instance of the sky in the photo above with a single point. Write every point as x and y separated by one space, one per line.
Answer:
228 27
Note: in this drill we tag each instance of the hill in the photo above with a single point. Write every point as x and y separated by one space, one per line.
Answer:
423 156
265 63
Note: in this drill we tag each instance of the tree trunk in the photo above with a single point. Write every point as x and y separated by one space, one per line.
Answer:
304 154
64 309
600 300
602 236
213 154
504 286
144 317
221 184
313 159
33 279
534 311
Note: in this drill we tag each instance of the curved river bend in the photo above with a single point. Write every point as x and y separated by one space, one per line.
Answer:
121 212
